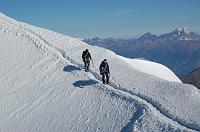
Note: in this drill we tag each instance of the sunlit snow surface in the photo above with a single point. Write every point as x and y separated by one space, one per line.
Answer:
152 68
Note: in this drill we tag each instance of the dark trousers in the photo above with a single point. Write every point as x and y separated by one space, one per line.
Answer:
87 65
107 78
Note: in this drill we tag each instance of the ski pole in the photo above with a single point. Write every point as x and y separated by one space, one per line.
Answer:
92 63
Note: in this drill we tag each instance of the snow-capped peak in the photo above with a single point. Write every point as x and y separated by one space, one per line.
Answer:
181 34
183 30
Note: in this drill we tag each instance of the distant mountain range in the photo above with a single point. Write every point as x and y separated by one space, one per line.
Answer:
179 50
193 78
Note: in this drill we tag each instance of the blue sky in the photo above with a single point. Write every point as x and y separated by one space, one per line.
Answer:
106 18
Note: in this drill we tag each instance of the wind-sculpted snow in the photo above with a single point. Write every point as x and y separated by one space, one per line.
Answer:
44 89
152 68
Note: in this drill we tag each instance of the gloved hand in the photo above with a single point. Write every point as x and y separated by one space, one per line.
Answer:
109 74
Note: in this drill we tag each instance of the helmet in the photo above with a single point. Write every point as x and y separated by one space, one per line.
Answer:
86 50
105 60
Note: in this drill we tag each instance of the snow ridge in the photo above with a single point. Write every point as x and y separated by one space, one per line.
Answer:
154 105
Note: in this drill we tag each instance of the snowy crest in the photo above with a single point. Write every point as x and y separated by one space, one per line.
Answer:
183 31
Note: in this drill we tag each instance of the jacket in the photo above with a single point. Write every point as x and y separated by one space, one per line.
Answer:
104 67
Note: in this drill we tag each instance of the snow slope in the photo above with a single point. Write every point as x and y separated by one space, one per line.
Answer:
152 68
44 89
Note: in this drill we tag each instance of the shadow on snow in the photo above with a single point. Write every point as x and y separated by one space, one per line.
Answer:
71 68
82 83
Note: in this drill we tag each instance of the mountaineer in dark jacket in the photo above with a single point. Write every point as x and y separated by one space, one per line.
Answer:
104 71
86 59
